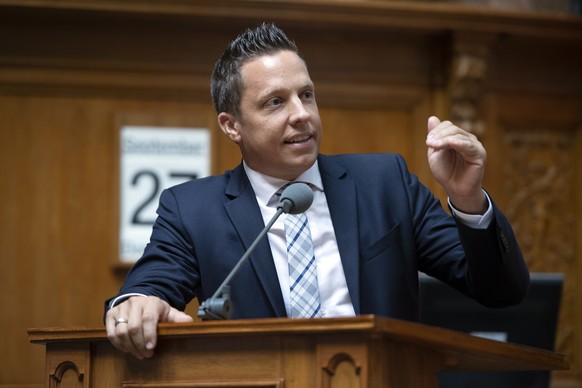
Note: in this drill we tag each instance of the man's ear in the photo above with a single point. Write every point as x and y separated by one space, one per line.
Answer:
229 125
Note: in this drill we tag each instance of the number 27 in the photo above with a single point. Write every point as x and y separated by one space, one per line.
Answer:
138 217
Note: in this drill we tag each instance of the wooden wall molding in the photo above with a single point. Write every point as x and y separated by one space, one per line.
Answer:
145 48
80 55
162 84
423 16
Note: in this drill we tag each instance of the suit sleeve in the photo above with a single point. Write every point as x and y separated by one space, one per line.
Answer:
167 268
496 268
485 264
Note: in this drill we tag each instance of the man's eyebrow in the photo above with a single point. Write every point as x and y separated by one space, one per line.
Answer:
275 90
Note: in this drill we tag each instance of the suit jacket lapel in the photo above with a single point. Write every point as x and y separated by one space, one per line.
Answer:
246 218
340 191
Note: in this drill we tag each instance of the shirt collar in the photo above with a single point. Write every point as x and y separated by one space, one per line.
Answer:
266 186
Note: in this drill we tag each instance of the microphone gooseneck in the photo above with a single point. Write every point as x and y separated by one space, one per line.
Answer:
295 199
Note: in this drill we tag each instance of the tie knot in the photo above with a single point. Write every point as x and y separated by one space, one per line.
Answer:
282 188
277 196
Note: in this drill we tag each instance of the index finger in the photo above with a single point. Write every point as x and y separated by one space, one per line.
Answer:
152 311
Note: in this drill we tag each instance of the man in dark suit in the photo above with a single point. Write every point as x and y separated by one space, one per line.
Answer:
373 225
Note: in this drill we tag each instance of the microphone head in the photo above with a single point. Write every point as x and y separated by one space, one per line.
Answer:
296 198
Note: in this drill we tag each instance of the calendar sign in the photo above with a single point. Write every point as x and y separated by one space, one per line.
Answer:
151 160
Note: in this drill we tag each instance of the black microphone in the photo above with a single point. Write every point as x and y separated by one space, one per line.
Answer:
296 198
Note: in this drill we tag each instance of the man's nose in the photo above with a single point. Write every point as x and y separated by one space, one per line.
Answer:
299 112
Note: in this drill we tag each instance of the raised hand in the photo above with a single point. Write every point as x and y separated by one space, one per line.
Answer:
457 160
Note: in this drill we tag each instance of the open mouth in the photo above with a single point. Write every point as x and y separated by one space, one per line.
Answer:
299 140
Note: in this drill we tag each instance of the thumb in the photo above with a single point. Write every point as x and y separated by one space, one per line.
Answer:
433 121
177 316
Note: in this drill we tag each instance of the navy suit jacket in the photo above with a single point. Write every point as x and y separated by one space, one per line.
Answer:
388 227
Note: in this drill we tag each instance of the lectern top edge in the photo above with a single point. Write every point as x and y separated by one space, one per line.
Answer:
460 349
259 326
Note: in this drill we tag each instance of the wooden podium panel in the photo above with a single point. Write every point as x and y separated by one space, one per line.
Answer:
364 351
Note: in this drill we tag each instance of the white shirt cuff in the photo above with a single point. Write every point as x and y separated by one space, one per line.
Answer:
475 221
123 297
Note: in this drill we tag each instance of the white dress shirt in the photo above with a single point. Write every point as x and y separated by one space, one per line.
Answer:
333 289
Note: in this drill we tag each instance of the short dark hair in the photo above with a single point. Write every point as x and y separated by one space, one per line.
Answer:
226 81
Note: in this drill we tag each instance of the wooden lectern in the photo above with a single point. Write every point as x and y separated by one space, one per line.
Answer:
364 351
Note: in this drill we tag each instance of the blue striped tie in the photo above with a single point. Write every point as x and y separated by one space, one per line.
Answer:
304 291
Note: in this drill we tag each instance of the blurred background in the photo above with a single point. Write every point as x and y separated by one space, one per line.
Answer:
74 72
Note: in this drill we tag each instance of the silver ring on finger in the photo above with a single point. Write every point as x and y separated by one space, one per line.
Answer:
120 320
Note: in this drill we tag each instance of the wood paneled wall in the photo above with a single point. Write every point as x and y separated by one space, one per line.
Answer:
72 72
